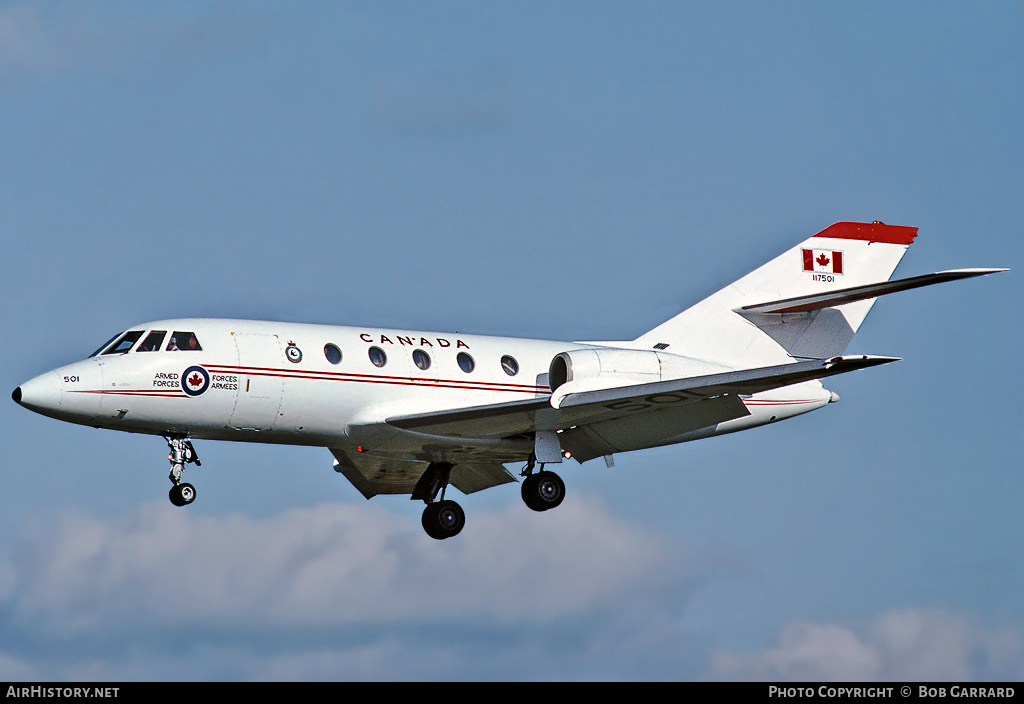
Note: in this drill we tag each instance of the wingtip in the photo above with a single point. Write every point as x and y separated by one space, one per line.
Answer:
975 271
861 361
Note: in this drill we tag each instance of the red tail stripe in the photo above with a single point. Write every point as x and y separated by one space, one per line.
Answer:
870 232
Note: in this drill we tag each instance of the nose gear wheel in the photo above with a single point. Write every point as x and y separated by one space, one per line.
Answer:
182 494
182 453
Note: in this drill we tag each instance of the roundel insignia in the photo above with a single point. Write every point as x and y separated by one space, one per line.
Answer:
195 381
293 353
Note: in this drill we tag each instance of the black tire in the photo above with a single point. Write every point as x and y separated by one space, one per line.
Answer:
543 491
182 494
175 496
444 519
529 489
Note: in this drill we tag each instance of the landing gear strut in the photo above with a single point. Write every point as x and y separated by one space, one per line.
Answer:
441 519
182 453
543 490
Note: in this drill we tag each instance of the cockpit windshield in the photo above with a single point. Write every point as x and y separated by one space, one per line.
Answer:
180 341
125 342
104 345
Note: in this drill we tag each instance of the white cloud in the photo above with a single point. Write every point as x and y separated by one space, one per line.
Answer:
910 644
339 590
352 591
334 563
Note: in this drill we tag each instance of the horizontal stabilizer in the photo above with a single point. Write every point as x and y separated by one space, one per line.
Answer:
829 299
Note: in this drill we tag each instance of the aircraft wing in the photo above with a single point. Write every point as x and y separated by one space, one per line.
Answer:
504 420
592 423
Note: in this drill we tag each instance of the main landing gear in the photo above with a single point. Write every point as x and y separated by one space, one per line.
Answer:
441 519
543 490
182 453
444 518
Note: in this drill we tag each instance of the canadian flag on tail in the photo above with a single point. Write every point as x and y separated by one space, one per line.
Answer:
823 261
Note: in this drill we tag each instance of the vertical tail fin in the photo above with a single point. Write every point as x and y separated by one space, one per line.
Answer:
841 256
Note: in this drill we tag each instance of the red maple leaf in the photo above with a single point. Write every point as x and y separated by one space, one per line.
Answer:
195 379
822 260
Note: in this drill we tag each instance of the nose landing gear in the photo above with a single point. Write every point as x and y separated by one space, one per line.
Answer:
182 453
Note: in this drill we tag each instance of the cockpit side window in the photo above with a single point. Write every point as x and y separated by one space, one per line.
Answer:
183 341
125 343
152 342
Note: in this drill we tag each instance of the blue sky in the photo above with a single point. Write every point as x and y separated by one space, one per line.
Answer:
568 170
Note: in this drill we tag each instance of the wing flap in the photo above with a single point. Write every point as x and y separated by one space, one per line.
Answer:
373 474
477 476
660 426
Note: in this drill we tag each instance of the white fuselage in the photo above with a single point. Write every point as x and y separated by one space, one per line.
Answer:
271 382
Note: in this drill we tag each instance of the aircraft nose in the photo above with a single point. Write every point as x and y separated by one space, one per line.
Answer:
42 394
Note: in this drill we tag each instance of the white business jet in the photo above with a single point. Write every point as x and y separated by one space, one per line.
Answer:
408 412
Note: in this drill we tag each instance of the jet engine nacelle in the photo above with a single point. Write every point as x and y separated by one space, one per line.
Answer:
590 369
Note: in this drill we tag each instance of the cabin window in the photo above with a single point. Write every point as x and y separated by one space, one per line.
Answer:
153 341
466 362
126 342
378 357
183 342
509 365
333 353
421 359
